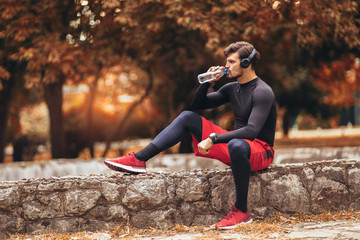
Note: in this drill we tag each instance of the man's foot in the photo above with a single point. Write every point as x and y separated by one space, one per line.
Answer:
128 163
233 218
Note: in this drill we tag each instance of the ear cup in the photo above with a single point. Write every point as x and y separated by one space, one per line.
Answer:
246 61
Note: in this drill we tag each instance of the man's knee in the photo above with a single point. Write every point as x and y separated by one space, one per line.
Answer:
239 147
187 115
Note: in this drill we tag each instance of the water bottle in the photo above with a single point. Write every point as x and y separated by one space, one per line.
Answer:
209 76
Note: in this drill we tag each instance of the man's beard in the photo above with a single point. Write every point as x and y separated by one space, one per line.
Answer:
234 78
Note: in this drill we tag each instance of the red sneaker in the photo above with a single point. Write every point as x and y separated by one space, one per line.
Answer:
233 218
128 163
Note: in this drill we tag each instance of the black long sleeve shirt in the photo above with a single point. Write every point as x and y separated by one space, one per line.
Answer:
254 108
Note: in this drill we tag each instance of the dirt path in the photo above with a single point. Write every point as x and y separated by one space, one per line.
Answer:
329 225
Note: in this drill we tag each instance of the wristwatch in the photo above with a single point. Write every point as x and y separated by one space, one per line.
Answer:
213 137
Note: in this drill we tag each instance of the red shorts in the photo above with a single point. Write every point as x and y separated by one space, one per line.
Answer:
261 155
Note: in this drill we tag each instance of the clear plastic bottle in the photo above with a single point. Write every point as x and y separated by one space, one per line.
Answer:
209 76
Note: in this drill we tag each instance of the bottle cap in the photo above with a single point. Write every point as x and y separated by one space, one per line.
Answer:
226 71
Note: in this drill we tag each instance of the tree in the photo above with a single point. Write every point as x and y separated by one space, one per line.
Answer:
37 32
13 34
48 43
346 81
293 37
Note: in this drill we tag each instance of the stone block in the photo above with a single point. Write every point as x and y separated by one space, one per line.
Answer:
206 219
334 173
288 194
111 191
267 176
309 174
222 193
354 180
156 219
187 213
54 186
201 207
145 194
42 206
108 213
90 182
10 223
327 194
9 197
65 225
30 188
193 189
254 194
78 202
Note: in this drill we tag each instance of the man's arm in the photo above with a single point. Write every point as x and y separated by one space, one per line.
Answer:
263 101
204 100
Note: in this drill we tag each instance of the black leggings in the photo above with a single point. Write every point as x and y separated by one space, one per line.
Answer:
239 151
187 121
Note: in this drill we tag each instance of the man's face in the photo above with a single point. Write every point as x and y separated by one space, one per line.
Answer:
233 66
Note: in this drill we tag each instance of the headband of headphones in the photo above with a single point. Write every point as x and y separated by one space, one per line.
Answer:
246 61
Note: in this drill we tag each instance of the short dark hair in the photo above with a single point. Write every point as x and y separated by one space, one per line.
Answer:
244 49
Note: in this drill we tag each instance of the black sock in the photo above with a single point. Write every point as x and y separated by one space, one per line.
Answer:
148 152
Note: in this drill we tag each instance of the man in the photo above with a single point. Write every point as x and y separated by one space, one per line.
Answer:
247 148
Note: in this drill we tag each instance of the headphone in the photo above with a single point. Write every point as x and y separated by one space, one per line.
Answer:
246 61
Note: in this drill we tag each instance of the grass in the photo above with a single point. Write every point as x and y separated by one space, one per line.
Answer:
276 226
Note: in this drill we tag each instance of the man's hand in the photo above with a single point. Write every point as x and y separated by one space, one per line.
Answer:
205 145
213 69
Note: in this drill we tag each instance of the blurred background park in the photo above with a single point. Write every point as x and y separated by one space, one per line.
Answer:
78 76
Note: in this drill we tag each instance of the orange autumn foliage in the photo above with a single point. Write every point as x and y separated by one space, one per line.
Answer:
340 80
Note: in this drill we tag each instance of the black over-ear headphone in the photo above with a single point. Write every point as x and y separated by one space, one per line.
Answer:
246 61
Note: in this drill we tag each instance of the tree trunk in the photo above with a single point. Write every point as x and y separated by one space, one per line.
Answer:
121 124
5 102
54 98
17 70
90 121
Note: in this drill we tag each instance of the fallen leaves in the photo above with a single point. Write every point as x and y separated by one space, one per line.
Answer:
273 227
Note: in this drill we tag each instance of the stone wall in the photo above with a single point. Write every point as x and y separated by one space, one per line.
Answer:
199 197
163 162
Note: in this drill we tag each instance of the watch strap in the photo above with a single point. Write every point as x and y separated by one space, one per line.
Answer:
213 137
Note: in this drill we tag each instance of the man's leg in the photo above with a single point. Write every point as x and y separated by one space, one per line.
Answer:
239 151
187 121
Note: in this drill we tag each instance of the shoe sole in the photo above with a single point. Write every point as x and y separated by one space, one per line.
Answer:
123 168
234 226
